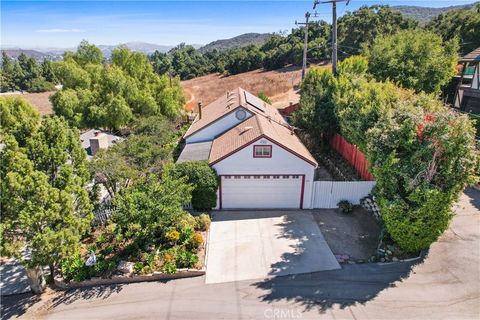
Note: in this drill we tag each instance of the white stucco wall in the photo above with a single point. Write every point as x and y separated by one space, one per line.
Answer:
214 129
281 162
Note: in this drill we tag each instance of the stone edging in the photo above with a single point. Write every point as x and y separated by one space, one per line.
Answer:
188 273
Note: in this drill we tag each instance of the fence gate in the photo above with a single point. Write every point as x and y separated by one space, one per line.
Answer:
326 194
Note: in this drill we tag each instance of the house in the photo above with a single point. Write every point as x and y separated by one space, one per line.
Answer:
467 96
94 140
259 159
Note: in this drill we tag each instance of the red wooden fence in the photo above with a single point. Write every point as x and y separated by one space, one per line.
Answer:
353 155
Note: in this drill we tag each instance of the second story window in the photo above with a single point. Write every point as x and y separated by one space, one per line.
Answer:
262 151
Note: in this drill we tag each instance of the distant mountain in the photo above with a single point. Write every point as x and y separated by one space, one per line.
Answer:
56 53
147 48
425 14
14 53
236 42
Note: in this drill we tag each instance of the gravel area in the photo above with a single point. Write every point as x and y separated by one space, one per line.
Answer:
354 235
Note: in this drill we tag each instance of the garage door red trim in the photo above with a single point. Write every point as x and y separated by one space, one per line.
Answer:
302 188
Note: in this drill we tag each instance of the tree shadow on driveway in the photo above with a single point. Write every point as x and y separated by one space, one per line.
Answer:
356 283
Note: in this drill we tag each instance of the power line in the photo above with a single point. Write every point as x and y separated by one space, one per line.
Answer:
334 29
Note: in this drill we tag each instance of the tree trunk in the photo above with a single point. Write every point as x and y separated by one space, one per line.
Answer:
36 279
51 277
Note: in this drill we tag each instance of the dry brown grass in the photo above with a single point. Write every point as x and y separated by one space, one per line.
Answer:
39 100
277 85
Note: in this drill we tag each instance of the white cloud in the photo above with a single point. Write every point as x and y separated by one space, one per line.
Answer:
59 30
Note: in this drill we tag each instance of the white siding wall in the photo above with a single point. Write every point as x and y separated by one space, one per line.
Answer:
281 162
210 132
475 83
326 194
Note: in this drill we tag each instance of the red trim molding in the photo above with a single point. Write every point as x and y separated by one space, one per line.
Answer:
302 191
220 193
262 145
255 140
302 187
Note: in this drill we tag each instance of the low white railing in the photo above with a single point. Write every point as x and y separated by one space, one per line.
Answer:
327 194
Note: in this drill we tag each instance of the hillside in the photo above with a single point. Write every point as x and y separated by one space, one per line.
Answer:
56 54
236 42
425 14
278 85
37 55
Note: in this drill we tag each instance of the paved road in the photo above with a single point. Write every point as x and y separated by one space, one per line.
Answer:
444 285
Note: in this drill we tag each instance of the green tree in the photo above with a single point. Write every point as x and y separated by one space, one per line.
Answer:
111 95
45 205
459 24
149 209
71 75
86 54
316 114
48 71
204 180
415 59
365 24
18 118
111 169
8 76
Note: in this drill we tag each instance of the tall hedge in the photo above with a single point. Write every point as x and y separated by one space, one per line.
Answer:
204 180
421 153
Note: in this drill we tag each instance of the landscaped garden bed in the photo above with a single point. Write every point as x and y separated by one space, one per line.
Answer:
119 258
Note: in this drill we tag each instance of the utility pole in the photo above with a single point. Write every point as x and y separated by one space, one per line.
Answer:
334 30
305 43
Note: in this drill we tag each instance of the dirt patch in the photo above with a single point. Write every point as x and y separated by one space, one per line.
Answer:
277 84
40 101
355 234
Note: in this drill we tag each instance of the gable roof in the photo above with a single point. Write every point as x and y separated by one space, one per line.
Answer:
257 127
227 104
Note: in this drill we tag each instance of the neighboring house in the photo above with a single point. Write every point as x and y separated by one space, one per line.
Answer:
94 140
467 96
260 160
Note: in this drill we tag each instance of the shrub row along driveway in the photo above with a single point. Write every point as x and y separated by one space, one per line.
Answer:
257 244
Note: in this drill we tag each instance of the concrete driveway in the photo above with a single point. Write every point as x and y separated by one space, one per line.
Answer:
258 244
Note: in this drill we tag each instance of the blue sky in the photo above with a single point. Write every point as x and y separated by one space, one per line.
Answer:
61 24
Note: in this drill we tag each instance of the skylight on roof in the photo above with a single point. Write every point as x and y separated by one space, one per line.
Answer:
255 101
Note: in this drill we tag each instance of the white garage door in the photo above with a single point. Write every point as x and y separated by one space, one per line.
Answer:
265 192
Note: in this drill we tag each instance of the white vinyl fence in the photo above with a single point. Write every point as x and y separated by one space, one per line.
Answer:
326 194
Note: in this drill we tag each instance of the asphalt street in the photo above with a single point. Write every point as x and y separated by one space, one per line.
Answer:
445 284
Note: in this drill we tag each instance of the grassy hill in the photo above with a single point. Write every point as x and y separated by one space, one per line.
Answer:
425 14
235 42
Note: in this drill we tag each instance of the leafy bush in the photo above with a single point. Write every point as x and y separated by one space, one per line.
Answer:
345 206
196 241
203 222
173 236
169 268
149 208
186 259
74 268
185 235
204 181
138 267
